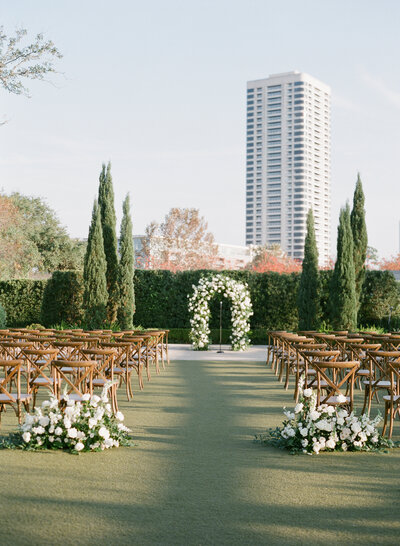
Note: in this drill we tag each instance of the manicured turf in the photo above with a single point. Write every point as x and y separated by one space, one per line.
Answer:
196 477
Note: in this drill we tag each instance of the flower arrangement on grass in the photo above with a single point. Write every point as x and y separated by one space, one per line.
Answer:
311 429
242 310
73 426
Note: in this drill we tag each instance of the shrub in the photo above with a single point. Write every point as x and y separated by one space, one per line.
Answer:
22 300
3 317
380 292
62 299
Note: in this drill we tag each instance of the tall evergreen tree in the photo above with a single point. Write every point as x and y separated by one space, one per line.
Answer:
94 275
308 296
108 222
343 287
126 270
360 238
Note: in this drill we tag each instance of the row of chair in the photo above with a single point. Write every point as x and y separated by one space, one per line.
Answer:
334 363
75 362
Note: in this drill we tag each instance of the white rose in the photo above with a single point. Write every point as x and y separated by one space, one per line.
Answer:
51 438
298 407
356 427
119 415
304 442
104 433
108 442
26 437
314 415
303 431
72 433
38 430
44 421
79 446
58 431
341 398
92 422
330 444
86 397
67 423
307 393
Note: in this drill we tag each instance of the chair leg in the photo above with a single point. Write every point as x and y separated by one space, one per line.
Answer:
386 416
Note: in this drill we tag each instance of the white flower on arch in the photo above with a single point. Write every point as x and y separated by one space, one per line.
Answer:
242 310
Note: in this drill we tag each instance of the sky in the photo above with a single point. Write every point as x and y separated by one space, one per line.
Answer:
158 88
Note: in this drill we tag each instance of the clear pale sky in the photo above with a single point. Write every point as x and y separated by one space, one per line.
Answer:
158 88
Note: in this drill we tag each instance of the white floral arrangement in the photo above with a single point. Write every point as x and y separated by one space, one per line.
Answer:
73 426
311 429
242 310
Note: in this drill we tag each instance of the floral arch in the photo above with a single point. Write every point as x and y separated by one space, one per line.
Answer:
199 308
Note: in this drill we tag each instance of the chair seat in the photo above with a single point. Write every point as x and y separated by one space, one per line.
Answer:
333 400
377 384
23 397
396 398
67 369
43 381
99 382
362 372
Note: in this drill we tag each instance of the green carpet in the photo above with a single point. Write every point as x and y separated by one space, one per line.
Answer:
196 477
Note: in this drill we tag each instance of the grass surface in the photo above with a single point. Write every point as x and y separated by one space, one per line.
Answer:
196 477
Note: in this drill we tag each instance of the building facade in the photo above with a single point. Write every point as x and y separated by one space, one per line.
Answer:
288 162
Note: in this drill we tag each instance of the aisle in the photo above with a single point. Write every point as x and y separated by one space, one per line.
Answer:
196 478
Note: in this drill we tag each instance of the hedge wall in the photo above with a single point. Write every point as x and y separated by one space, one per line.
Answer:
22 300
161 299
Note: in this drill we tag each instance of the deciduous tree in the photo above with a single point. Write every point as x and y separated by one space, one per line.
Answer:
181 242
20 62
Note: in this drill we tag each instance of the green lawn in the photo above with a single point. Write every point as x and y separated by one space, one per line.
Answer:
196 477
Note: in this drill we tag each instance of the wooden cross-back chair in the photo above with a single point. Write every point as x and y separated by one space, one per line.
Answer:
69 350
378 378
104 371
358 351
335 382
300 368
309 356
137 357
38 364
77 383
392 400
10 377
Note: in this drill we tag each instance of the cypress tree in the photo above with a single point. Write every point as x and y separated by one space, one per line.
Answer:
126 270
308 294
343 287
108 222
360 238
94 275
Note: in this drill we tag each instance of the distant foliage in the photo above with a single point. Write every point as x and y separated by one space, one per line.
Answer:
272 258
181 242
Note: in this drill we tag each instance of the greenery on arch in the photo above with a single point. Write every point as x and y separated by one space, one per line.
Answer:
199 308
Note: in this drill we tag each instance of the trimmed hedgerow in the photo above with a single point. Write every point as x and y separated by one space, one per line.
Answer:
22 300
63 299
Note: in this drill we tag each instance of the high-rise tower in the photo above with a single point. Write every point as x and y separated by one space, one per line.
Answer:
288 162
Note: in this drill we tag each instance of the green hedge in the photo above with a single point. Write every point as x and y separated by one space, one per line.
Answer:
162 300
22 300
63 299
